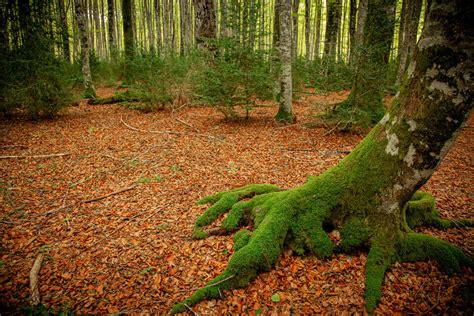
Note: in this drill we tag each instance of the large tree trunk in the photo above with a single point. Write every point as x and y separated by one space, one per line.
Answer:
205 23
285 113
364 105
86 71
367 195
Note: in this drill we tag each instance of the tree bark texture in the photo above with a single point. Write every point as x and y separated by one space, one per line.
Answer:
285 113
205 19
86 72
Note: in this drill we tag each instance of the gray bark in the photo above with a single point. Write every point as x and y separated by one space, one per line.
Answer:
317 29
158 25
111 27
64 30
86 72
295 9
307 30
205 23
285 113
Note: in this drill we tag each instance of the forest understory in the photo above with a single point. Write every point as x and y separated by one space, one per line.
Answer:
113 216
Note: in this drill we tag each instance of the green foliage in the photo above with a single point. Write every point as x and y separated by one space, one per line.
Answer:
324 76
236 77
35 82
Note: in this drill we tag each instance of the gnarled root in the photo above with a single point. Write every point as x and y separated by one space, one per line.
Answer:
295 218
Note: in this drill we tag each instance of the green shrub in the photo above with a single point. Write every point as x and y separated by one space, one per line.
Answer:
236 77
35 82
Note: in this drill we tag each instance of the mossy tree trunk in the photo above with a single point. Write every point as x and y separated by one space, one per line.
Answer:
285 113
205 30
84 41
370 196
364 106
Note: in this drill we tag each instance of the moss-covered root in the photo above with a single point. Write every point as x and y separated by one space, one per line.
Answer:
421 211
255 252
222 202
420 247
378 261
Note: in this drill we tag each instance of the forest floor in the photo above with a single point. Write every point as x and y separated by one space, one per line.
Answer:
132 252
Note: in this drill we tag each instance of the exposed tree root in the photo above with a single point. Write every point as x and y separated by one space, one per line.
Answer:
294 218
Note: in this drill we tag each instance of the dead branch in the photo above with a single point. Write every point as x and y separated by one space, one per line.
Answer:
186 123
146 131
34 289
107 195
191 310
35 156
14 146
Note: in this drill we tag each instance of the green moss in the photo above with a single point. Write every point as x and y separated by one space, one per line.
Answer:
378 262
421 211
241 239
419 247
285 117
354 233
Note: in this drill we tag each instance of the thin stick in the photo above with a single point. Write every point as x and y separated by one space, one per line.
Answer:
107 195
35 156
185 123
221 281
191 310
14 146
34 291
209 285
146 131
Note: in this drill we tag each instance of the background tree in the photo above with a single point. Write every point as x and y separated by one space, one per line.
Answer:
371 195
410 18
205 19
128 38
86 71
364 105
285 113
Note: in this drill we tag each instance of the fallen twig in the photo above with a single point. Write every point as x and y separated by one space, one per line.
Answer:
332 129
35 156
146 131
107 195
14 146
34 291
191 310
185 123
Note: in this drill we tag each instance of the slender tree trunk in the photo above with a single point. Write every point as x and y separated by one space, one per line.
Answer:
86 72
4 42
307 31
158 23
128 38
261 32
352 29
102 30
276 26
253 23
412 19
285 113
295 10
317 29
332 27
64 30
111 27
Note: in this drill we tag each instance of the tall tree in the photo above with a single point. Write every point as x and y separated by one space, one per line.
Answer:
111 27
285 113
295 9
128 38
307 29
408 35
364 105
86 71
185 23
333 18
317 29
63 27
352 29
205 19
370 196
158 25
